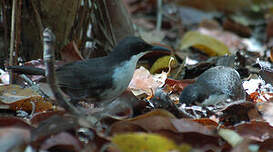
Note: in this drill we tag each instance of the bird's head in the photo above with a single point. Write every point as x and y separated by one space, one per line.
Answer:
193 93
131 46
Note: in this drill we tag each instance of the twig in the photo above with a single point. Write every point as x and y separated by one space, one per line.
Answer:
12 38
49 59
17 30
84 24
102 28
38 19
109 20
15 34
33 109
4 11
159 15
33 85
181 67
105 34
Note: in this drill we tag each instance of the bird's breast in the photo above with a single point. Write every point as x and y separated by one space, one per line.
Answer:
122 76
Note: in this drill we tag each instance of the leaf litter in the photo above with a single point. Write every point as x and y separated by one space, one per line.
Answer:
153 119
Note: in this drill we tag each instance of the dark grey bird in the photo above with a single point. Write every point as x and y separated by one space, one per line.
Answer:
217 82
103 78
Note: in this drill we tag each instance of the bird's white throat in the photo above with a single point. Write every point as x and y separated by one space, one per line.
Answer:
123 74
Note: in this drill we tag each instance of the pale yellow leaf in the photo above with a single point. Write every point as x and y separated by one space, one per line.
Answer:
204 43
144 142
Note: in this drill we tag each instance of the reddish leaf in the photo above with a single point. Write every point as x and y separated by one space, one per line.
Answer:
238 28
255 130
183 126
160 119
12 137
207 122
71 53
238 112
39 117
178 85
13 122
267 111
64 141
53 125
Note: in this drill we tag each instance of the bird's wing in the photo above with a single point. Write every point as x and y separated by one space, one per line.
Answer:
84 74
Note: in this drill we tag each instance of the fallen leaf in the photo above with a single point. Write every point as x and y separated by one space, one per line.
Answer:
184 125
163 63
207 122
65 140
177 85
12 137
26 99
159 117
153 36
230 136
37 118
218 5
71 53
236 27
40 104
4 77
239 112
231 40
53 125
204 43
267 111
143 142
255 130
16 90
144 82
13 122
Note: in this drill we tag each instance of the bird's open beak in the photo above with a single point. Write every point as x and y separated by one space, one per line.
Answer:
160 48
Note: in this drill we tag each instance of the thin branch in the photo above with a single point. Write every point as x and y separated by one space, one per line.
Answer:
109 20
18 30
38 19
181 67
159 15
12 38
102 28
33 85
49 59
5 25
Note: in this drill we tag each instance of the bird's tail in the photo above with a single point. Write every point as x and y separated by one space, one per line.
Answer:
27 70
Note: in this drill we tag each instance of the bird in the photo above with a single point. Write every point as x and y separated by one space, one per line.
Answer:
103 78
216 83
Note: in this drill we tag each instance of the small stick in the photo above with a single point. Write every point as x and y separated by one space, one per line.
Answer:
49 59
5 26
159 15
12 38
38 19
181 67
33 85
15 34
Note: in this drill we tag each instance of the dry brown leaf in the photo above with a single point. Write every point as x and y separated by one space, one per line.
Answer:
267 111
19 98
255 130
71 53
12 137
144 82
